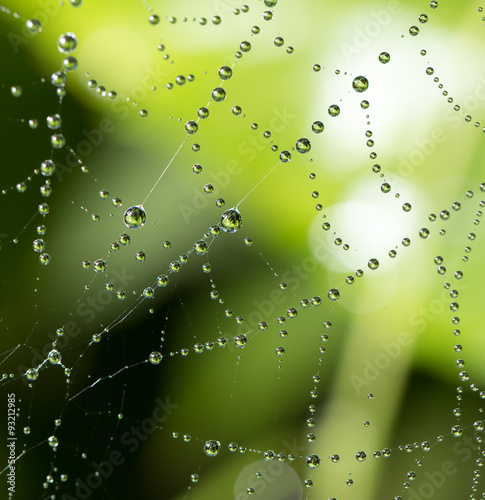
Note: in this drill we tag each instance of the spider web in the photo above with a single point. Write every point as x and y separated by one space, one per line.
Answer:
241 250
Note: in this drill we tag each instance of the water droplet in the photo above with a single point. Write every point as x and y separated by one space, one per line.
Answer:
54 122
333 294
201 247
414 30
38 245
457 431
58 141
124 239
66 43
303 145
140 256
240 340
373 264
225 72
155 358
44 258
99 266
384 57
211 448
333 110
191 127
231 220
245 46
153 19
162 280
278 41
32 374
33 26
70 63
54 357
317 127
134 217
424 233
203 113
313 461
218 94
285 156
360 84
53 442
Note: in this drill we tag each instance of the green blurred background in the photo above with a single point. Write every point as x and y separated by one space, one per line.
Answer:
391 335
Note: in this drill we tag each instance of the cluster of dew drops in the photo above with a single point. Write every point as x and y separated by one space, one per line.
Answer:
66 45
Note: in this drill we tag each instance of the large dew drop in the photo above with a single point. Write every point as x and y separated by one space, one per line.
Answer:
313 461
240 340
53 442
303 145
33 26
333 110
155 358
225 72
200 247
384 57
360 84
135 217
67 43
191 127
218 94
211 448
32 374
373 264
231 220
54 357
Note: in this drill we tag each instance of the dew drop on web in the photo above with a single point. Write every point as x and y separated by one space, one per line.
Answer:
134 217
